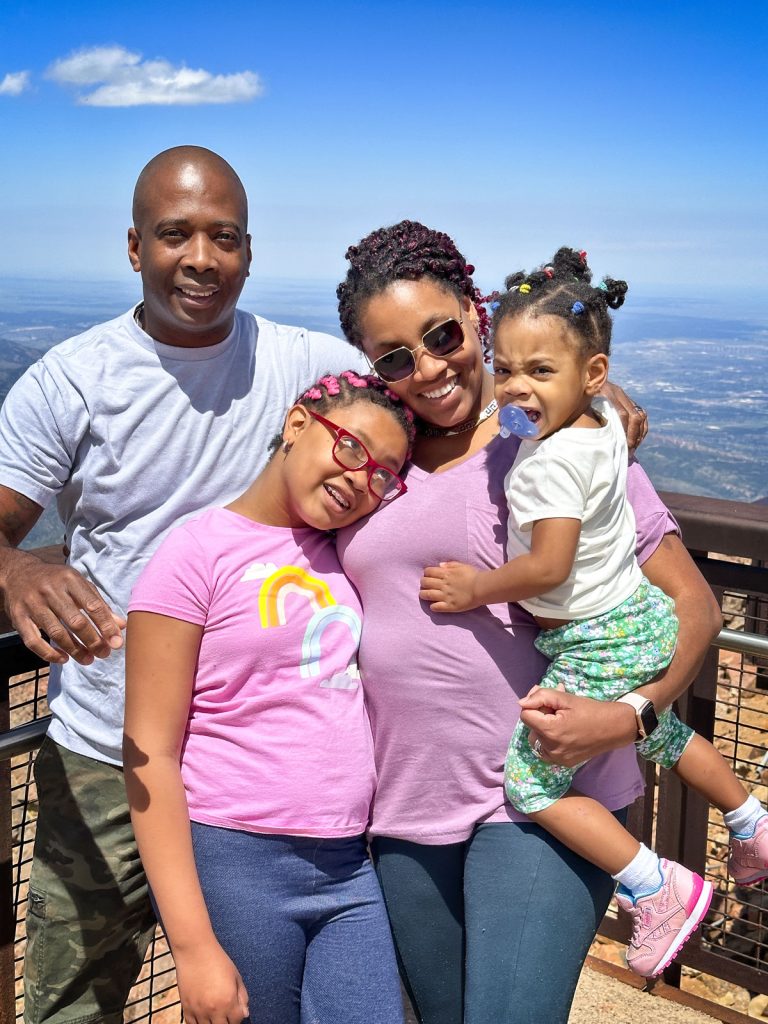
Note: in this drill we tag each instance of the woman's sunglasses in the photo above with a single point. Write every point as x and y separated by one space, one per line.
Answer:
349 452
439 341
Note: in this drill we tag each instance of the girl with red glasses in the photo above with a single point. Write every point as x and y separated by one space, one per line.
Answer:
492 916
248 755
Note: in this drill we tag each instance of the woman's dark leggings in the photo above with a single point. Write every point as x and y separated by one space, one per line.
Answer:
493 930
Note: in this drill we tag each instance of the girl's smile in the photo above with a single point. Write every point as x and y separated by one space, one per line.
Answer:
305 486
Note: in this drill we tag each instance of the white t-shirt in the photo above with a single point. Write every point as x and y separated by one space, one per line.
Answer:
578 473
131 436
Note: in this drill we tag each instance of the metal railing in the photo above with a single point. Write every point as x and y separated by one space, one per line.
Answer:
728 703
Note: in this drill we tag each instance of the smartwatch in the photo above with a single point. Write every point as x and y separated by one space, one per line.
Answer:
645 714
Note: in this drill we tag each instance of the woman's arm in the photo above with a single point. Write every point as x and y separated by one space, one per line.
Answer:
160 666
574 729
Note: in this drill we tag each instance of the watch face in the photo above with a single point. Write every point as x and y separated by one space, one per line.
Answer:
648 718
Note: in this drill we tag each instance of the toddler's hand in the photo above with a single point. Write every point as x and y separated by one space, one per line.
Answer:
449 587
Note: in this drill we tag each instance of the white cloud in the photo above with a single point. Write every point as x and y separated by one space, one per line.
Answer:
14 83
124 79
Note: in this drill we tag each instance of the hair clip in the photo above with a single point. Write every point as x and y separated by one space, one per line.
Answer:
583 257
577 307
548 272
524 288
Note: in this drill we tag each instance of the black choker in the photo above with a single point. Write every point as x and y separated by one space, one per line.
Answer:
488 411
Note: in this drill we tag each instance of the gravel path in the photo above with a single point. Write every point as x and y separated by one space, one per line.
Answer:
605 1000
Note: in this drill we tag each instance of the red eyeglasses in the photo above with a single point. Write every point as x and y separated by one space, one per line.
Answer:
349 452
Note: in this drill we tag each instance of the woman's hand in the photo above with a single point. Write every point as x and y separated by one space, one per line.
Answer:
633 417
210 986
450 587
573 729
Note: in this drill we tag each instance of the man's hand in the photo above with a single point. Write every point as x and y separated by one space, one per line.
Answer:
574 729
450 587
633 417
55 600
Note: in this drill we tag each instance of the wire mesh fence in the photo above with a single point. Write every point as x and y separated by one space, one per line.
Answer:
729 702
154 997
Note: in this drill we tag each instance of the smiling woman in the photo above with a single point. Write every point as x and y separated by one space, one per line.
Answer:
491 915
190 243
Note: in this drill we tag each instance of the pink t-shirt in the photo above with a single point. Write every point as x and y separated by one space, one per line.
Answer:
278 739
442 690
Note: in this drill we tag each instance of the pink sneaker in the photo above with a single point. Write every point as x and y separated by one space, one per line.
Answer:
748 861
664 921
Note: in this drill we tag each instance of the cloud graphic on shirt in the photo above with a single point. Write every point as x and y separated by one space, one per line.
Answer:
258 571
125 79
15 83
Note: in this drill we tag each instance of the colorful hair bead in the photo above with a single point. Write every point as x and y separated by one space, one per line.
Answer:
583 257
577 308
524 289
603 287
548 272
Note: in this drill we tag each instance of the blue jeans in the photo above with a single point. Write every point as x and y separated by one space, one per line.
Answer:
304 922
493 930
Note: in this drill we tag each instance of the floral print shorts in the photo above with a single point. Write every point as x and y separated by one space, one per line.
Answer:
603 658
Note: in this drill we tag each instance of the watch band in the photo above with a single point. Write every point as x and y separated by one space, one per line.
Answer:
645 714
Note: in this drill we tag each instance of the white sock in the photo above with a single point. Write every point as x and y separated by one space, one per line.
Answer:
642 875
742 821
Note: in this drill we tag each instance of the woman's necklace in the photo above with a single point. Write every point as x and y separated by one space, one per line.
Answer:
488 411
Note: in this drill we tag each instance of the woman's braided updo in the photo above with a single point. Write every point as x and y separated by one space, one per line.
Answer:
563 288
407 251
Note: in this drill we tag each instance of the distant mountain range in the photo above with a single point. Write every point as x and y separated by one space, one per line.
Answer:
699 370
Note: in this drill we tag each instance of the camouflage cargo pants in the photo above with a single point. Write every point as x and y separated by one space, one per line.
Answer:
89 919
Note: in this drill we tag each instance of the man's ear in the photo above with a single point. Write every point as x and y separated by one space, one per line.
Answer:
595 373
134 245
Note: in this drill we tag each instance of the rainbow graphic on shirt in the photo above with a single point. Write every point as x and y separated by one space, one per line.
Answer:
310 648
290 580
273 594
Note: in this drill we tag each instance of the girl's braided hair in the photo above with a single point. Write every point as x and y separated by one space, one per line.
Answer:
347 388
407 251
563 288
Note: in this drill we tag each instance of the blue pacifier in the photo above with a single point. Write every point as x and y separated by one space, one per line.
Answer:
513 420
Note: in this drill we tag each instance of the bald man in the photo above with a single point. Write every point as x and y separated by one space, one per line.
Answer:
131 427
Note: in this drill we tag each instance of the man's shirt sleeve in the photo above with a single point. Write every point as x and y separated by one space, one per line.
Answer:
42 422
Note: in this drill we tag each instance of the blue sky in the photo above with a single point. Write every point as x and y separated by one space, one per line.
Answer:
635 130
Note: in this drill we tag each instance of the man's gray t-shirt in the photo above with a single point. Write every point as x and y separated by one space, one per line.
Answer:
131 437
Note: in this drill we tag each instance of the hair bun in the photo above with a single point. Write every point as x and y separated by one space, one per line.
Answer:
614 292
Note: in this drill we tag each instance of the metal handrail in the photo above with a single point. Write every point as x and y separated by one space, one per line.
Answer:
24 738
742 643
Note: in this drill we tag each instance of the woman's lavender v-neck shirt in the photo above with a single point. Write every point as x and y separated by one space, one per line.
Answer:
442 690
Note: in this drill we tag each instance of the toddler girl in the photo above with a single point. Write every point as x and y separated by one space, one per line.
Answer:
606 629
248 754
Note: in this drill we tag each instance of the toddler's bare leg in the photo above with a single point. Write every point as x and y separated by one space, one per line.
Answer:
704 769
589 829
